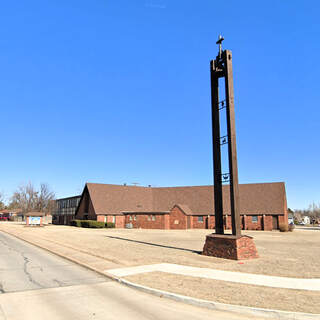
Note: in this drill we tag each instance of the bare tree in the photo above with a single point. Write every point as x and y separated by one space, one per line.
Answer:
29 199
24 198
45 198
314 210
297 215
2 205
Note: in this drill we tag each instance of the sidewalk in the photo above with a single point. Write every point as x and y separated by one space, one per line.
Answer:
236 277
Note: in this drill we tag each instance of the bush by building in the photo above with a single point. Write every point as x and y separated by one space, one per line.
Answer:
75 223
110 225
291 227
91 224
283 227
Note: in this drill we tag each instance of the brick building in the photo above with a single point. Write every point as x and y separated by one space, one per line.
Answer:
263 206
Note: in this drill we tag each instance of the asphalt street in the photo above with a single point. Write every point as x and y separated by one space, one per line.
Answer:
26 267
38 285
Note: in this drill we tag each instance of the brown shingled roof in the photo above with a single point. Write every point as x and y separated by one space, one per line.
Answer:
258 198
14 211
109 198
35 214
261 198
186 210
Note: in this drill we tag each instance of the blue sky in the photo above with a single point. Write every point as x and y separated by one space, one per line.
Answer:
118 91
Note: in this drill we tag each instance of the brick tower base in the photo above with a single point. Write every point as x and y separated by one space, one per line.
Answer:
230 247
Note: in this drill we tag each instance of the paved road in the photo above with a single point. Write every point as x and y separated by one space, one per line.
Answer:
317 228
26 267
38 285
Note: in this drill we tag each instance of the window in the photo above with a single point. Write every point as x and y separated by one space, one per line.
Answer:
135 218
114 219
153 218
130 218
149 218
255 219
200 219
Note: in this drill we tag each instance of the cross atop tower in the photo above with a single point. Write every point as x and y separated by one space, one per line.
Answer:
219 42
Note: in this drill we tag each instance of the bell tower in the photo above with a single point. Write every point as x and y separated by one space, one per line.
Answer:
219 244
221 68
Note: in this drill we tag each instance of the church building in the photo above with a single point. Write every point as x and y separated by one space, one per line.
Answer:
263 206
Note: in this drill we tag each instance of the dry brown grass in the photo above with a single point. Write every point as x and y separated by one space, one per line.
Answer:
292 254
232 293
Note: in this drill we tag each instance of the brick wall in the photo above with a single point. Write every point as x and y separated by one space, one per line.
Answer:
111 218
230 247
190 222
178 220
166 221
285 211
251 225
267 223
146 221
212 222
117 220
120 221
264 222
283 219
101 218
196 224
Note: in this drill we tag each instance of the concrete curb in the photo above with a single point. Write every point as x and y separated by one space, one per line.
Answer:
259 312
